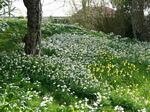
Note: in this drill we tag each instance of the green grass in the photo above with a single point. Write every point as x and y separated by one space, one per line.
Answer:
11 33
78 70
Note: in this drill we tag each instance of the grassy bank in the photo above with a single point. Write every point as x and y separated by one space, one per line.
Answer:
79 70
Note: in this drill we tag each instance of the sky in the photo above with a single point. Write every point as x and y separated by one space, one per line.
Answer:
50 8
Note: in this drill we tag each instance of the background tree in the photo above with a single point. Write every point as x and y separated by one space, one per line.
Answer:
8 9
85 3
34 15
123 15
135 9
100 17
137 12
2 5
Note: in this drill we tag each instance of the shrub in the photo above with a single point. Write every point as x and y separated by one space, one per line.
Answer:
101 18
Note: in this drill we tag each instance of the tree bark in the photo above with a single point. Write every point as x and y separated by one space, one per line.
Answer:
137 13
34 16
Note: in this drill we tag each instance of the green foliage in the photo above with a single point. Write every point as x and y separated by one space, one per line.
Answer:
2 4
50 29
78 70
11 33
117 71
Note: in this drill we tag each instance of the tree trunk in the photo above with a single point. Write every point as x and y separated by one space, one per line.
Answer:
137 15
34 15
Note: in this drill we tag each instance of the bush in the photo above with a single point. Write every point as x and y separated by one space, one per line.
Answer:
104 19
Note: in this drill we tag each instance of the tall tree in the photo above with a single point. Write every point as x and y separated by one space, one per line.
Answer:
135 8
34 15
137 13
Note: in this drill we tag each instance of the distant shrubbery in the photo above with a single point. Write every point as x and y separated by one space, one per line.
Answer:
104 19
50 29
58 20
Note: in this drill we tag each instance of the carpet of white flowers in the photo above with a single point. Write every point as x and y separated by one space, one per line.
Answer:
77 73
